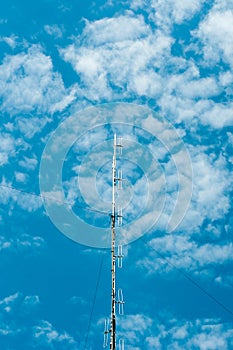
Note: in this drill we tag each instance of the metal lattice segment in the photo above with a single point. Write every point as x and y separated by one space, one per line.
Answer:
120 302
116 181
121 344
113 254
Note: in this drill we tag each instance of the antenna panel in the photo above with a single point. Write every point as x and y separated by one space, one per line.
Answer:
119 216
119 145
120 256
119 178
106 332
121 344
120 302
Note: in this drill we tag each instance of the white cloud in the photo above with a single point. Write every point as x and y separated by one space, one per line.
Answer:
135 61
133 327
7 147
204 334
211 181
13 302
28 84
28 163
219 115
10 40
53 30
47 335
174 334
17 308
123 28
113 56
31 300
12 197
215 31
210 192
21 243
185 253
8 302
167 13
20 177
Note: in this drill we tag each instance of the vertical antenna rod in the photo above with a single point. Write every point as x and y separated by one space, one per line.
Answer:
113 258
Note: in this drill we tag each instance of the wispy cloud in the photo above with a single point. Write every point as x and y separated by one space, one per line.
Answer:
21 243
19 318
13 197
47 335
187 254
200 333
53 30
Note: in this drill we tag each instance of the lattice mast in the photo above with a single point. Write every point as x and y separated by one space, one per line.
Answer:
115 255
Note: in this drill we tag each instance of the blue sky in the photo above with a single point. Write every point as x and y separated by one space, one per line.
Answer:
160 74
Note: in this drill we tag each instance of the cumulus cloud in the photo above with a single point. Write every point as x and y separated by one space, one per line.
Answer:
29 84
215 33
113 63
135 61
211 182
166 14
187 248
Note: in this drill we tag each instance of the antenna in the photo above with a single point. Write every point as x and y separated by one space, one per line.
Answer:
116 184
120 302
106 332
120 256
121 344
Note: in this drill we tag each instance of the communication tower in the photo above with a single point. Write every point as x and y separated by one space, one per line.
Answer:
116 254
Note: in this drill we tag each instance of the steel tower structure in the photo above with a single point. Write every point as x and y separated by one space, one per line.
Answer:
115 255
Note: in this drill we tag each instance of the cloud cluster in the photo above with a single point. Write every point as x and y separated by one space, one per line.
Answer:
13 197
45 334
29 84
215 34
7 147
116 64
136 60
198 334
211 183
21 243
141 331
185 253
19 319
